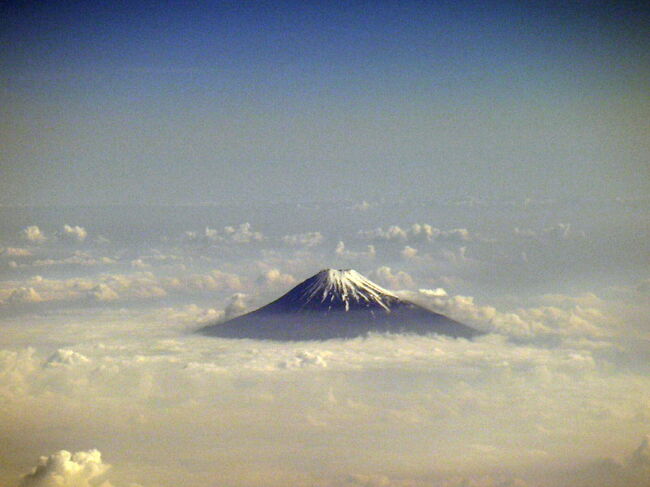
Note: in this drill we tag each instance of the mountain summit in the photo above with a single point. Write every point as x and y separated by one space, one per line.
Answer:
337 304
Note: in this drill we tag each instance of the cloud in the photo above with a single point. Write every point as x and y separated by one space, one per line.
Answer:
139 264
103 292
363 206
341 251
559 231
65 469
212 234
237 305
392 280
469 402
113 287
420 232
275 278
378 480
24 295
243 234
644 287
484 481
541 321
33 234
308 239
16 252
75 233
409 252
393 232
66 357
77 258
640 458
304 359
633 471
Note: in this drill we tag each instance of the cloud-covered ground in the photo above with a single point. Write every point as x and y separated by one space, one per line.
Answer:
97 352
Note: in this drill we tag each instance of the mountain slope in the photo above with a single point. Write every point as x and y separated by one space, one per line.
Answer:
337 304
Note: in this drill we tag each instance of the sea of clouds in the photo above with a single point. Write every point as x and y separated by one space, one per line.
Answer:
104 382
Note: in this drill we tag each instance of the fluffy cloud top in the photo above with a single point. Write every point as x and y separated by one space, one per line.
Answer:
242 233
237 305
24 295
273 277
341 251
16 252
65 469
308 239
393 280
540 322
418 232
75 233
33 234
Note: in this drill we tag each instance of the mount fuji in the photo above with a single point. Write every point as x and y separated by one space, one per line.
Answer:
337 304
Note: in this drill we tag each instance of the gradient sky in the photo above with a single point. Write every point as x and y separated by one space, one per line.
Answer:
174 102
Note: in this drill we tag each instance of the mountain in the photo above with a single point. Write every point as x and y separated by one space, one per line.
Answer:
337 304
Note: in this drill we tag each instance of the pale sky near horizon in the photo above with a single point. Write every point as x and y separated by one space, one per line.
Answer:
145 102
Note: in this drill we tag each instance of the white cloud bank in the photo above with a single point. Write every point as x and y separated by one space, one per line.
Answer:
419 232
74 233
33 234
65 469
535 323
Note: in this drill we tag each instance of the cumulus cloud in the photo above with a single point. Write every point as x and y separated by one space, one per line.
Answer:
633 471
363 206
644 286
66 357
65 469
385 276
640 458
77 258
75 233
33 234
304 359
113 287
103 292
24 295
341 251
275 278
464 400
378 480
243 233
559 231
308 239
237 305
409 252
15 252
418 232
212 234
540 322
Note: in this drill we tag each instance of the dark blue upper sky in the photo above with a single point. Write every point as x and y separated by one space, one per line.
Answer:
176 102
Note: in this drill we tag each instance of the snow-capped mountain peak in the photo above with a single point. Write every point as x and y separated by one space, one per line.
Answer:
337 304
344 286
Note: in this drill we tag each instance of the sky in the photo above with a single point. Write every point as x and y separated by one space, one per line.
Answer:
186 103
168 165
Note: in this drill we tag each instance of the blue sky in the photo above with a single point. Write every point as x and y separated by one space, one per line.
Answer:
140 102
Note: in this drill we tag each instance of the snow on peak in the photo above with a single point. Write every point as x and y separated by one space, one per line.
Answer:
346 285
